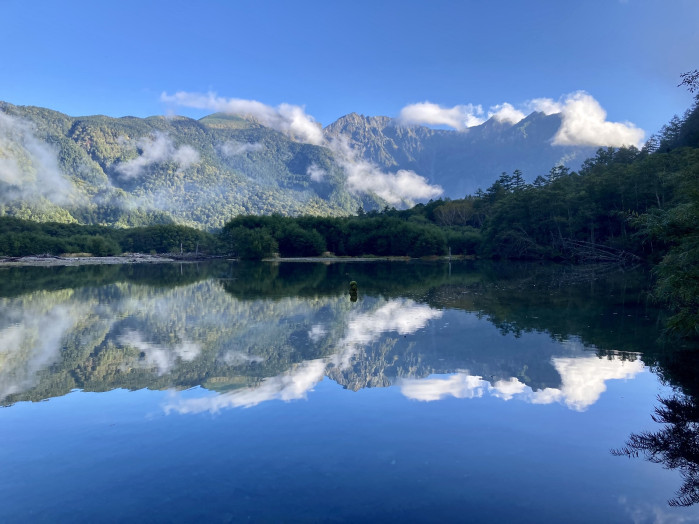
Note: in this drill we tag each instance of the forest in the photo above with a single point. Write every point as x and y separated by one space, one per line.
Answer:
624 206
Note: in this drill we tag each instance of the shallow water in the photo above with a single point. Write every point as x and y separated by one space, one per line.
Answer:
229 392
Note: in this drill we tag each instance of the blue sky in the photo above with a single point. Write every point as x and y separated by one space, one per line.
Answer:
371 57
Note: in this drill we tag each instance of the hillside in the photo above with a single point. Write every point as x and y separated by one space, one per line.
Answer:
134 171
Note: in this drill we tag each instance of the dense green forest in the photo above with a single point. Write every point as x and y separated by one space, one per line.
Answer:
25 238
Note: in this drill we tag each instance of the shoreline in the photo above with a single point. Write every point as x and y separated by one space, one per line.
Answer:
138 258
326 260
50 261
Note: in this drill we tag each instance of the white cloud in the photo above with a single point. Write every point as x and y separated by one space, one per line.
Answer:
234 148
404 316
546 396
460 385
548 106
28 165
459 117
316 173
289 119
403 186
641 511
185 156
365 177
584 122
10 172
583 380
157 148
506 113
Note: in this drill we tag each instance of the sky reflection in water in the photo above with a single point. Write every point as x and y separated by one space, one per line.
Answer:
385 450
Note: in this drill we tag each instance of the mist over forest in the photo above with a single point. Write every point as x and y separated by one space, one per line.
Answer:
250 158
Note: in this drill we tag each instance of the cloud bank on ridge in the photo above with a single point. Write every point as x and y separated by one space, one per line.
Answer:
291 120
459 117
584 121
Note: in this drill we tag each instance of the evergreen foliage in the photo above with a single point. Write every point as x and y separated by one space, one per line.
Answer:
379 234
25 238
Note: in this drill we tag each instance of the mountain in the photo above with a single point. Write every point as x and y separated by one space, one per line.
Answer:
132 171
461 162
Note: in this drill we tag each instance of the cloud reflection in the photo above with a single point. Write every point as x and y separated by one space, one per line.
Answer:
403 316
32 343
506 389
583 380
161 357
641 512
459 385
292 385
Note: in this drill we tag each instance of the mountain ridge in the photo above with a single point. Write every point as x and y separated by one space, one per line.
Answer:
131 171
461 161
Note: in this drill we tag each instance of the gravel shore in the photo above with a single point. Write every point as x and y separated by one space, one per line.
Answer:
138 258
83 261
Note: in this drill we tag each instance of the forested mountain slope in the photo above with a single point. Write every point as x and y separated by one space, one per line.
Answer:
132 171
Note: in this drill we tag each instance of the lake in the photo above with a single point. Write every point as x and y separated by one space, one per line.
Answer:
229 392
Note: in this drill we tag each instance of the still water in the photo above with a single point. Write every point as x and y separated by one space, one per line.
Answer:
228 392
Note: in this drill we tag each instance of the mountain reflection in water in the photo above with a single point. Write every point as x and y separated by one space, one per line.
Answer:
260 332
553 359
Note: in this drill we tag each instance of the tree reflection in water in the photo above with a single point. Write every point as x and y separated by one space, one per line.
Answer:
676 445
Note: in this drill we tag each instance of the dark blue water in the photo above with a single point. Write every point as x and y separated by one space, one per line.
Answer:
214 396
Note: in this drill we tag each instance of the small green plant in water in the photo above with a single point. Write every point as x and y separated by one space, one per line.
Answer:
353 291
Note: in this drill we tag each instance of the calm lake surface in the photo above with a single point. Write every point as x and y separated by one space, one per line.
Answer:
228 392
